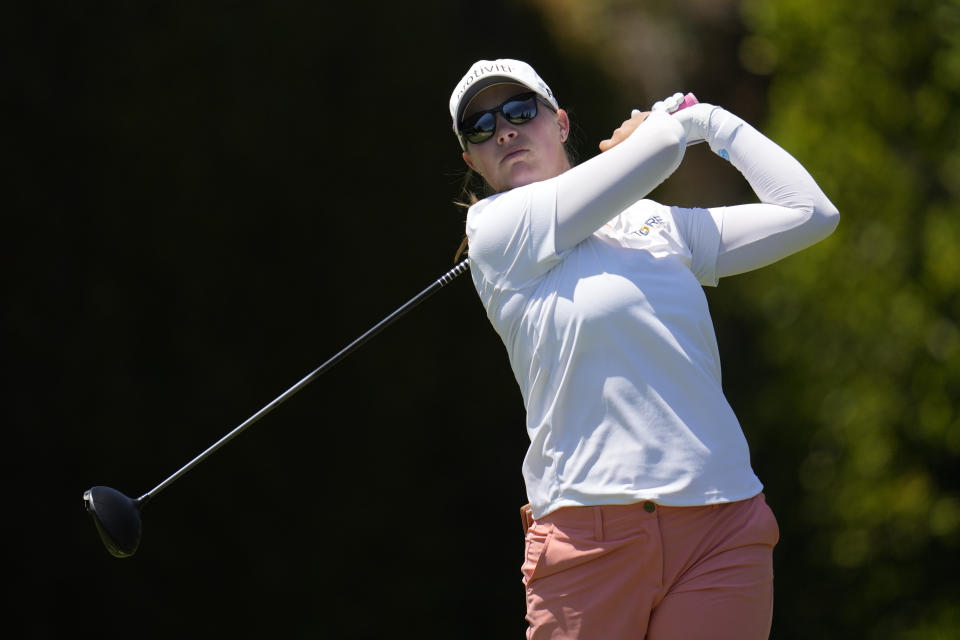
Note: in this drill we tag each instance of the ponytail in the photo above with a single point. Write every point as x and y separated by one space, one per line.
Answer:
472 185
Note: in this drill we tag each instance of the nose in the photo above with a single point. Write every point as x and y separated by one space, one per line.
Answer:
506 130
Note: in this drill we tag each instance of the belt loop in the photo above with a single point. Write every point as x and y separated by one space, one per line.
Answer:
598 523
526 518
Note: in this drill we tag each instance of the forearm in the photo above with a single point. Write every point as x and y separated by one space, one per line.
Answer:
591 194
794 214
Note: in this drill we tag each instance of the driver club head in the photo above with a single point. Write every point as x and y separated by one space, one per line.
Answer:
117 518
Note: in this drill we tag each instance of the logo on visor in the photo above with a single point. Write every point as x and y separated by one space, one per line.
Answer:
479 72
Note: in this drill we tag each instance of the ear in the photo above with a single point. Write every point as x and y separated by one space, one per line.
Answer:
563 121
466 158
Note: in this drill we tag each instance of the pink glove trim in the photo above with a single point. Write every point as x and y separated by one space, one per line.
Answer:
688 101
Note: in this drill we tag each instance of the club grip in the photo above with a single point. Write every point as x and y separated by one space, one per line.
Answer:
688 101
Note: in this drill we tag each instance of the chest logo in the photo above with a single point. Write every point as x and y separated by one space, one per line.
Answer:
655 222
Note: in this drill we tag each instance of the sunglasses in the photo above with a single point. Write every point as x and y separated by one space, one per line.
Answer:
480 127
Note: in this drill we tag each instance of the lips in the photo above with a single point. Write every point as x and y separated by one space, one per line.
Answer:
513 154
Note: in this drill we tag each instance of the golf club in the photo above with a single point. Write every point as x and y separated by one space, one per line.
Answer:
117 516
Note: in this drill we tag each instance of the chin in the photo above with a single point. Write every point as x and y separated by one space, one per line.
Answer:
522 179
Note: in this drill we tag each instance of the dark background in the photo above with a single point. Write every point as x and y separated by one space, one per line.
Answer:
209 200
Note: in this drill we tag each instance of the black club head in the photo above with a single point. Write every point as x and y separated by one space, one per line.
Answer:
117 518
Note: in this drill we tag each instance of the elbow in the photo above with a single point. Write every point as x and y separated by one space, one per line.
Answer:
819 218
813 209
815 217
827 216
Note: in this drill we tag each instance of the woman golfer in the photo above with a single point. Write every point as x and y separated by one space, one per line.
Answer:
647 519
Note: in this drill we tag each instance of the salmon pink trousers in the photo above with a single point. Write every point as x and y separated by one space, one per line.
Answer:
648 572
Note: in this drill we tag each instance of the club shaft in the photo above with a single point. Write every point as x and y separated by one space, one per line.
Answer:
438 284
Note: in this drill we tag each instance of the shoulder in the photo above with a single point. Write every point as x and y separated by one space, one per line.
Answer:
511 207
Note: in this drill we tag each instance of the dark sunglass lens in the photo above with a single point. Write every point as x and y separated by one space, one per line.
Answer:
476 137
480 127
520 111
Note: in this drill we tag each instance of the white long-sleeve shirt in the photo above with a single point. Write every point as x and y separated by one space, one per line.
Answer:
597 296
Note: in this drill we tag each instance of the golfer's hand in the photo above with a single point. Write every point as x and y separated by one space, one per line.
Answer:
622 132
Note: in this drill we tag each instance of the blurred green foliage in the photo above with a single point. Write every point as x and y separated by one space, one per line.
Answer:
862 410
